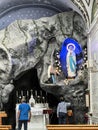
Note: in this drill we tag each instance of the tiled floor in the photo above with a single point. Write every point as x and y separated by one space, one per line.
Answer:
39 129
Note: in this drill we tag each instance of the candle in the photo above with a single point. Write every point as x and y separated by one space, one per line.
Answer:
21 93
27 93
40 93
36 93
46 97
17 93
46 93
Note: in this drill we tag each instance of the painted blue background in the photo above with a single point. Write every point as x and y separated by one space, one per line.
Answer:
64 51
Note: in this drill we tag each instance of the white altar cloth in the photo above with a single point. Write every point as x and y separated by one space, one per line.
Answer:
38 119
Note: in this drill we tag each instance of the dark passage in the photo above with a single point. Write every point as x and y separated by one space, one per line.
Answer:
26 82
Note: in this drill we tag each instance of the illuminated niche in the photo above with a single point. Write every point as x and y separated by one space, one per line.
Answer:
71 57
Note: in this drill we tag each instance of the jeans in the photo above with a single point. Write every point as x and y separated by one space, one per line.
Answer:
22 122
62 118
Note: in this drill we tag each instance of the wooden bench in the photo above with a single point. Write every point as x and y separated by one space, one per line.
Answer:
72 127
2 114
4 127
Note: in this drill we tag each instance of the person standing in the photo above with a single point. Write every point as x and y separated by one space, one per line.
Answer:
24 114
70 115
52 74
62 111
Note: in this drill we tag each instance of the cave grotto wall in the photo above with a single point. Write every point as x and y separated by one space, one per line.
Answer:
31 43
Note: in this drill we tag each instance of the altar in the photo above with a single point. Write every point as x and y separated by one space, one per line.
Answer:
39 117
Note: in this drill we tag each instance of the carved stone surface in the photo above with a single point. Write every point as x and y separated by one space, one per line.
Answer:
30 43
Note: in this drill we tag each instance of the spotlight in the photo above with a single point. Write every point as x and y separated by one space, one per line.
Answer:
56 61
85 52
85 58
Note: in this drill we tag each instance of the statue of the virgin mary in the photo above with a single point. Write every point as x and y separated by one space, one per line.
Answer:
71 57
71 60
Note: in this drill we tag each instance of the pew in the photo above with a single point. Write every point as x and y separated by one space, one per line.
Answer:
2 114
4 127
72 127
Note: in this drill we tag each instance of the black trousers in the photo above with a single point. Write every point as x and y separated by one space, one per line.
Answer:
22 122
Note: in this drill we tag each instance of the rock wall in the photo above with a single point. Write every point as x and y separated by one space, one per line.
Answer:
31 43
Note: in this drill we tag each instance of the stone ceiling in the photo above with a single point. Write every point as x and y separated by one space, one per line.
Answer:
12 10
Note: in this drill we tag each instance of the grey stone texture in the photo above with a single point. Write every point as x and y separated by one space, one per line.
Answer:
25 44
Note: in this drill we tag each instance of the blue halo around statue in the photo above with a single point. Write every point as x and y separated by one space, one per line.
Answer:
64 50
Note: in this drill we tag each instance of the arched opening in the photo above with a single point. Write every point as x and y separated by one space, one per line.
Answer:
25 83
28 80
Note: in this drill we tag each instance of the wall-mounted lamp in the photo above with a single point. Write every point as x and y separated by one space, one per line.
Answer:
87 100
